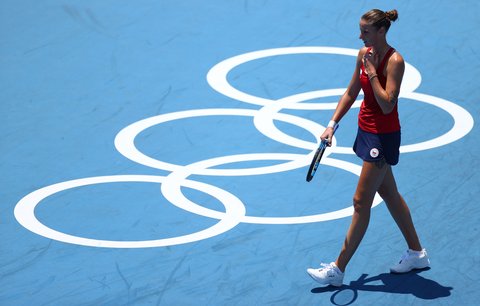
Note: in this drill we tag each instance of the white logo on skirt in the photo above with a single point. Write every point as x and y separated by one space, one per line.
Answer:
374 152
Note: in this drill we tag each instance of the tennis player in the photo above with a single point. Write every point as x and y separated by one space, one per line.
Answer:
379 71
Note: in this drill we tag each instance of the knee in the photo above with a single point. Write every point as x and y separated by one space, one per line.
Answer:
391 199
388 195
361 204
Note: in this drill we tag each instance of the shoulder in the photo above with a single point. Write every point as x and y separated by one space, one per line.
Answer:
395 64
362 52
396 59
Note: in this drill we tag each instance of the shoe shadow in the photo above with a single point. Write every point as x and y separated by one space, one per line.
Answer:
408 283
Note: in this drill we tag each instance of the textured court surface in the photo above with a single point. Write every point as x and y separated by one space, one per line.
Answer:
154 153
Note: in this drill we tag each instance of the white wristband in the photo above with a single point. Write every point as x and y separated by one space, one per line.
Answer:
332 124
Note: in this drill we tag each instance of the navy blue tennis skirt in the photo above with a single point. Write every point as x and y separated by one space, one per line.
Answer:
373 147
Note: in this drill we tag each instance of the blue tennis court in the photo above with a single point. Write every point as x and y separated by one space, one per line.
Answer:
155 153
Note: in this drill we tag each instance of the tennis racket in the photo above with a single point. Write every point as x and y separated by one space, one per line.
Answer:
317 157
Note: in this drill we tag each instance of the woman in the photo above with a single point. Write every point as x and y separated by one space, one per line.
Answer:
379 71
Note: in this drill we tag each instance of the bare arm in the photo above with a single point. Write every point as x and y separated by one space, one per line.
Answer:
348 98
388 97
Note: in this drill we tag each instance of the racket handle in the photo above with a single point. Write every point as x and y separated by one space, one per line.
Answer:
335 127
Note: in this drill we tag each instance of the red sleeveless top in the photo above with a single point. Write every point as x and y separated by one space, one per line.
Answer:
371 118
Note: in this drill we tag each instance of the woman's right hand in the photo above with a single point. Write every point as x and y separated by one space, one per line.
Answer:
328 135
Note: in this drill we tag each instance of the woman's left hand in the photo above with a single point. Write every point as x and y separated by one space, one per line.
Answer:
370 62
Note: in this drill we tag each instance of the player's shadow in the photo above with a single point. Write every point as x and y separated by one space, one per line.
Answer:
408 283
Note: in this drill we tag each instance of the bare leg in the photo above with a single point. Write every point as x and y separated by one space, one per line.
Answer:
371 178
399 210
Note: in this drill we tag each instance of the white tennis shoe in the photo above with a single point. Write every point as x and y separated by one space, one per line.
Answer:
411 260
328 274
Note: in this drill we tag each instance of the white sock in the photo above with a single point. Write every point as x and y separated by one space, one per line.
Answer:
416 252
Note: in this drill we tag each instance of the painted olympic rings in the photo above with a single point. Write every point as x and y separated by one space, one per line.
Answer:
263 120
24 212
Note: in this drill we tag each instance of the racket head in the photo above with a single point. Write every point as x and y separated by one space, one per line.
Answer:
318 156
316 160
